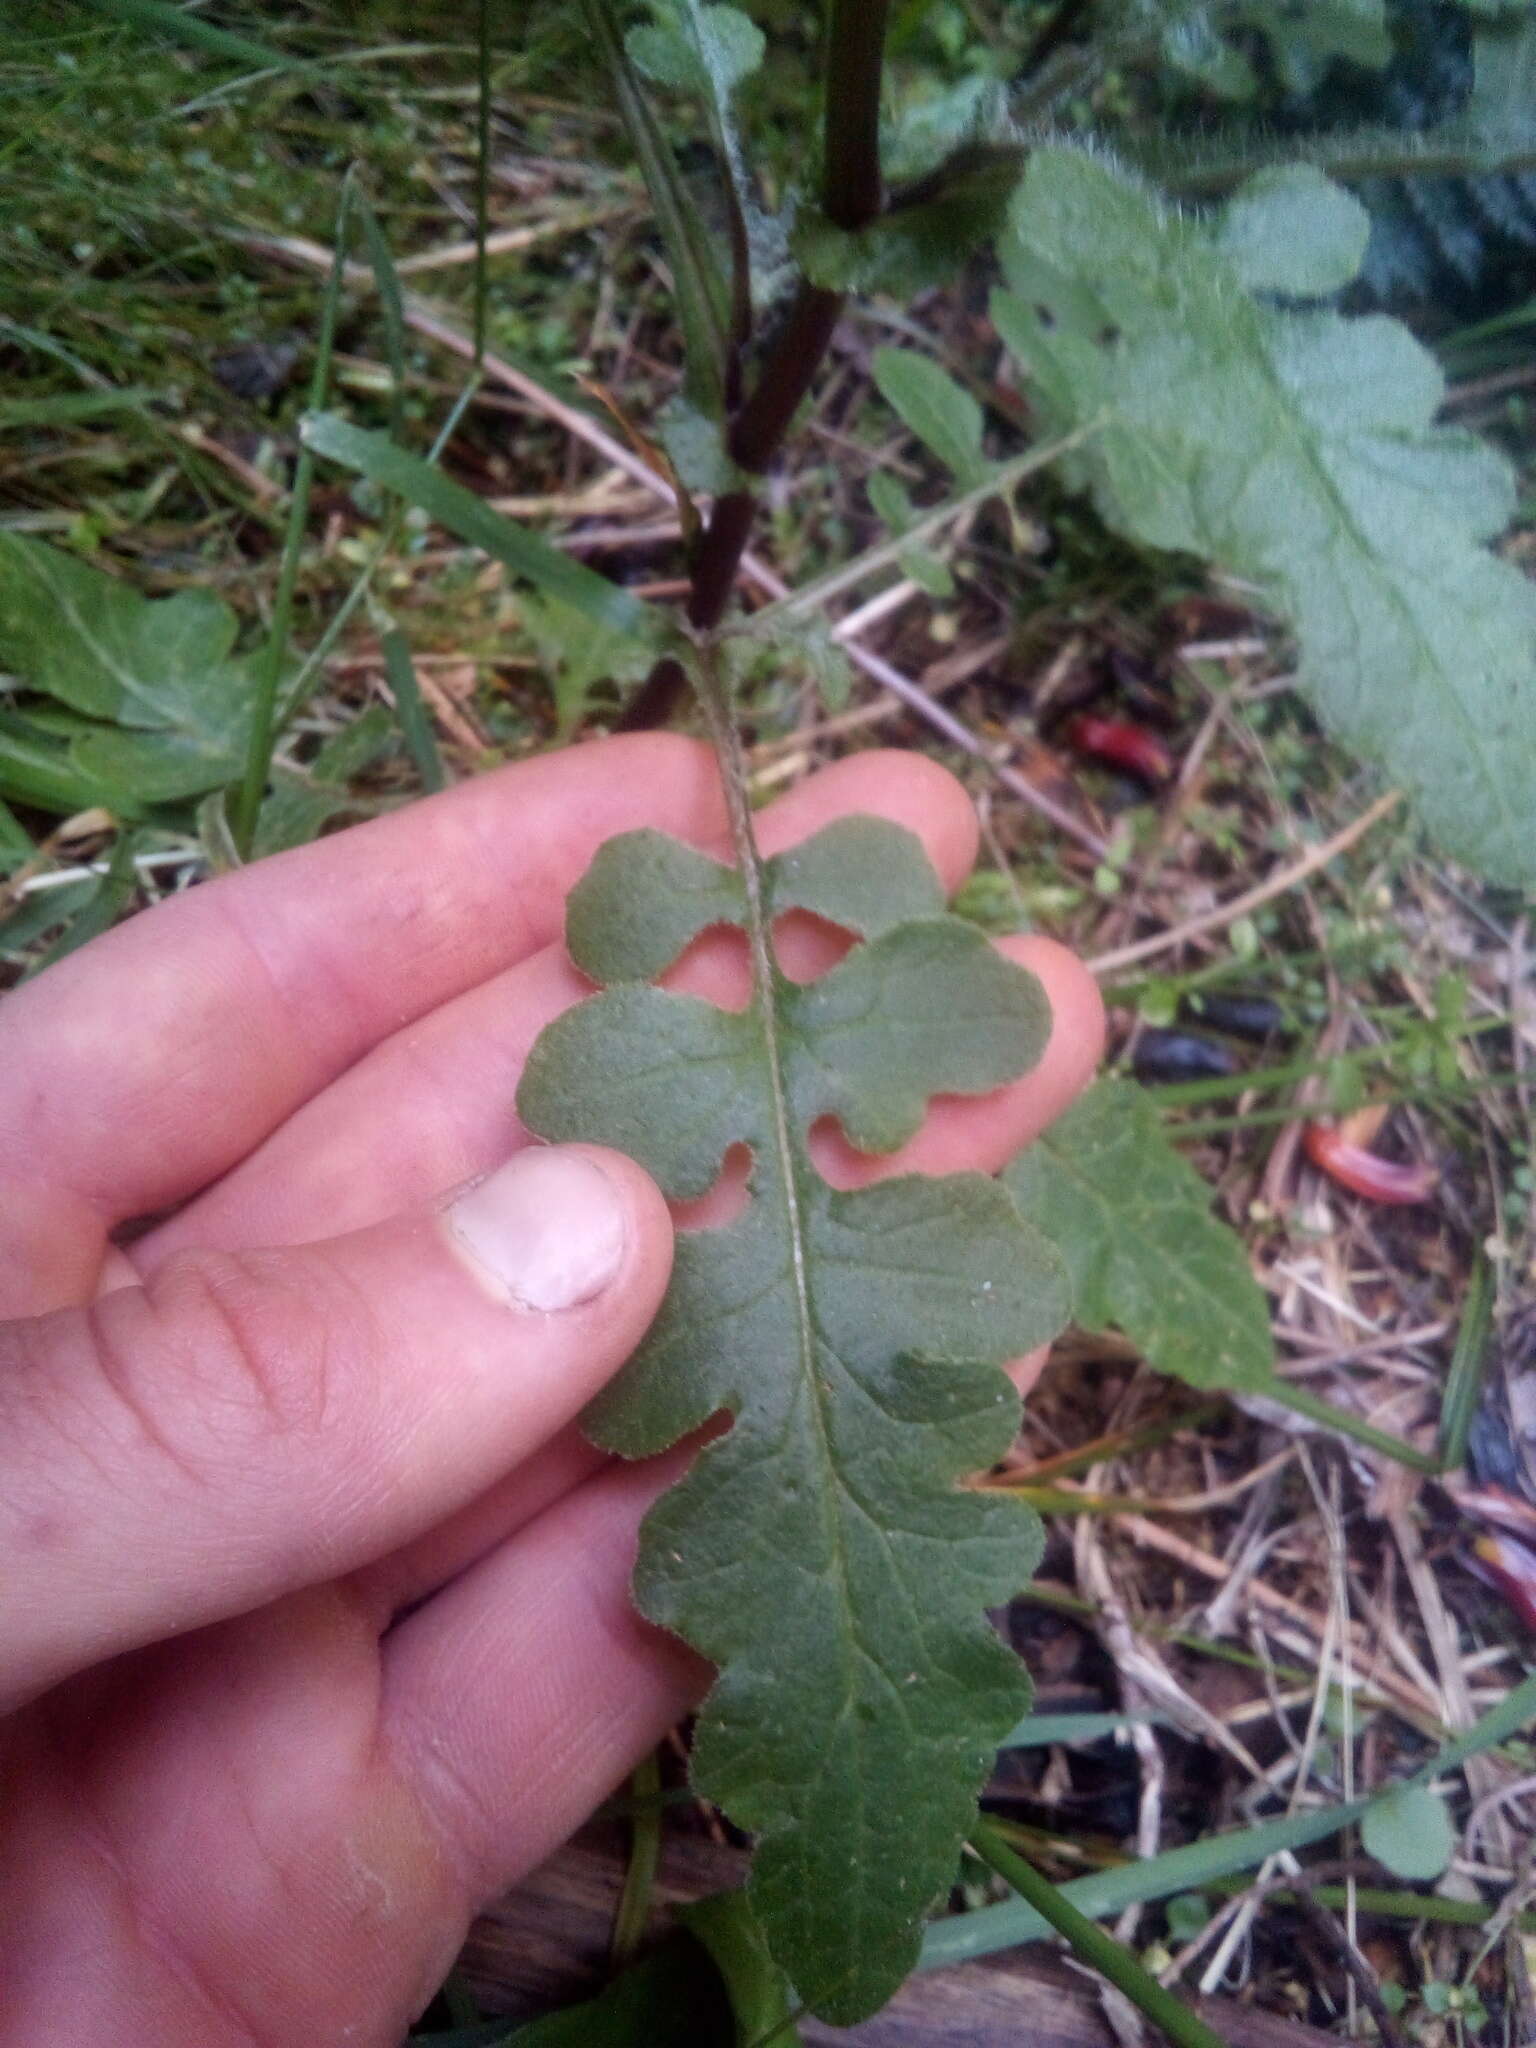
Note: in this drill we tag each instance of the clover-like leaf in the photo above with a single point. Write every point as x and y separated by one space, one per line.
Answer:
821 1553
1133 1222
1299 450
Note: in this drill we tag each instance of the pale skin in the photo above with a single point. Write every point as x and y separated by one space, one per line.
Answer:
313 1600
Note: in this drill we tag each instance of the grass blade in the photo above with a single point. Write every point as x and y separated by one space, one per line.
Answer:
415 725
101 909
1302 1402
263 735
482 172
1464 1381
69 408
1039 1731
1092 1945
189 28
1202 1863
392 300
379 459
991 1928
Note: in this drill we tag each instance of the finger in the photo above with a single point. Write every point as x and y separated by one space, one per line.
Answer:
137 1069
434 1104
520 1696
249 1424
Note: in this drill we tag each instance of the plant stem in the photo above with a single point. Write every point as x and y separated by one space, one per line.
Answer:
634 1908
786 377
850 191
851 197
1092 1944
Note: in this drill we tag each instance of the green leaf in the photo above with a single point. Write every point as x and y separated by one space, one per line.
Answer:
36 768
707 49
577 655
945 418
1291 230
164 703
1133 1222
1410 1832
918 242
810 642
696 449
820 1552
929 571
376 457
302 802
44 911
890 500
15 844
762 2004
1299 451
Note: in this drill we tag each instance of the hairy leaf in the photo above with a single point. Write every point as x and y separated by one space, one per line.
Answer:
1292 230
1298 450
1133 1222
161 703
1304 37
820 1553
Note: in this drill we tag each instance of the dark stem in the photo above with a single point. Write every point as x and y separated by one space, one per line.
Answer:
851 197
716 557
786 377
850 192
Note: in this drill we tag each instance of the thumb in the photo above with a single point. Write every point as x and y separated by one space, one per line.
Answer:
245 1424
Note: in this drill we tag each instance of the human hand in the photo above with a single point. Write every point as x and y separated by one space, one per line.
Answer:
314 1603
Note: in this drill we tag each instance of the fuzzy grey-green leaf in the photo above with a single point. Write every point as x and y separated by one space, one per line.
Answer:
1291 230
1298 450
1133 1222
821 1553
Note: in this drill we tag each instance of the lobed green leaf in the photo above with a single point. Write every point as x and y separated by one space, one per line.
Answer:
1133 1222
1299 451
820 1553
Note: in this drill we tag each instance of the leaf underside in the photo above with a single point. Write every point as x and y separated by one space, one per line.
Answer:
1298 450
821 1553
1133 1222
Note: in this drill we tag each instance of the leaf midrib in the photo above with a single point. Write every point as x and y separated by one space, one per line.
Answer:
769 985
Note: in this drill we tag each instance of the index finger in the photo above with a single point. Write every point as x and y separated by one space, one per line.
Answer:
140 1068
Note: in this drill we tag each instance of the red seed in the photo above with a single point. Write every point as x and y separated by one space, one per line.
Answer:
1122 744
1364 1172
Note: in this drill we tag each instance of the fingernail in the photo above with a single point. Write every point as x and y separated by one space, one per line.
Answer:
547 1229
